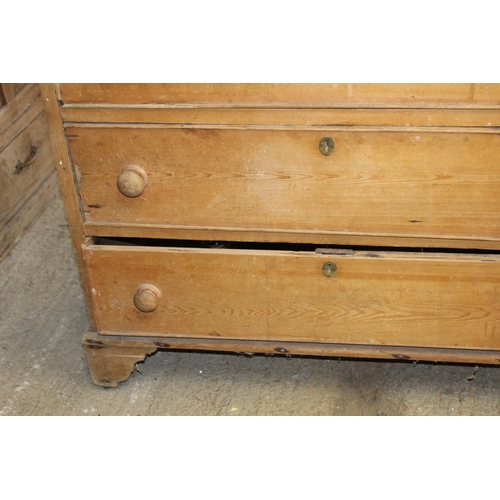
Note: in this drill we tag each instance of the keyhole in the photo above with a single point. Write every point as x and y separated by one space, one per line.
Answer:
326 146
329 269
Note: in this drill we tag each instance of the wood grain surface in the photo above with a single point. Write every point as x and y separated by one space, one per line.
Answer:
16 109
376 183
16 227
69 190
376 117
399 299
8 91
16 189
287 95
348 240
411 162
95 342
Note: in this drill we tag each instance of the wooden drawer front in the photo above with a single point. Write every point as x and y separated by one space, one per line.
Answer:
400 299
16 189
375 183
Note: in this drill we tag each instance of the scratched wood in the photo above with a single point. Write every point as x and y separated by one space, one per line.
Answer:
426 185
111 363
398 299
111 359
105 343
286 95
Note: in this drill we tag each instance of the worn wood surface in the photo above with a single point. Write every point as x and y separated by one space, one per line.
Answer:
18 126
111 360
44 371
434 300
16 108
422 185
288 128
113 369
291 117
413 165
287 95
16 189
162 231
8 91
16 227
68 187
25 193
110 364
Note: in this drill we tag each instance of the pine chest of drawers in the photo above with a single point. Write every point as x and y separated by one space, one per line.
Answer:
339 220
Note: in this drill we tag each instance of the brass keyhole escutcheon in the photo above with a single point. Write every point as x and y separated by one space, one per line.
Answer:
329 269
326 146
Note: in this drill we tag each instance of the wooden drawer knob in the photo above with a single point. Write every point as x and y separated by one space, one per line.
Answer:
146 298
132 181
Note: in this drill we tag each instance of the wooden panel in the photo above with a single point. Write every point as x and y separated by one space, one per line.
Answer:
16 189
9 90
286 95
111 359
288 117
432 185
19 125
104 344
17 225
68 186
15 109
435 300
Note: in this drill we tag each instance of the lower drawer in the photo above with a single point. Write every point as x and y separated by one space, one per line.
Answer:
384 298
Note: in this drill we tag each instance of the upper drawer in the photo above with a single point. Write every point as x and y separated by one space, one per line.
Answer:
285 95
429 185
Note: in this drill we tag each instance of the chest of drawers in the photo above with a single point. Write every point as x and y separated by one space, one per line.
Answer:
337 220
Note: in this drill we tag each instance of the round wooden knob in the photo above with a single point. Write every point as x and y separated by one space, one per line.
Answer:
146 298
132 181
